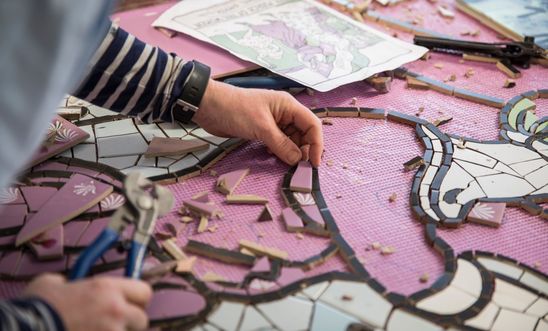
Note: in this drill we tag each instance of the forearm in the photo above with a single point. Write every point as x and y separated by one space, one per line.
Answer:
28 314
133 78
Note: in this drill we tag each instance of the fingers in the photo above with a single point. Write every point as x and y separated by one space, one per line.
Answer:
135 291
136 318
308 125
280 144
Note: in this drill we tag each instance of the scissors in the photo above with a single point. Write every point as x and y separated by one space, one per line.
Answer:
145 202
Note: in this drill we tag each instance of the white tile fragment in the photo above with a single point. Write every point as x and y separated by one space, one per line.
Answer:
366 304
289 313
507 295
450 300
403 321
329 318
227 316
508 320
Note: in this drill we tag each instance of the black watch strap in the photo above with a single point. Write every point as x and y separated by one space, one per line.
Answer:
194 88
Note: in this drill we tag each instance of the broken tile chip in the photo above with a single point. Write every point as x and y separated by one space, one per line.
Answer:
201 197
210 277
160 146
201 208
250 199
487 213
266 215
186 265
202 227
302 178
424 277
387 250
171 247
227 183
509 83
261 250
413 163
392 197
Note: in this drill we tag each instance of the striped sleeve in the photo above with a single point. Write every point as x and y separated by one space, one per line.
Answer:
133 78
29 315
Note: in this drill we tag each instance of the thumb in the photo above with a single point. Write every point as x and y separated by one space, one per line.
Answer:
281 145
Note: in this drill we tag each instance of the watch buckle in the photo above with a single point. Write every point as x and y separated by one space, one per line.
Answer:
186 106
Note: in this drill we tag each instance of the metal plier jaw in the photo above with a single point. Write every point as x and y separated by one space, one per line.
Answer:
145 202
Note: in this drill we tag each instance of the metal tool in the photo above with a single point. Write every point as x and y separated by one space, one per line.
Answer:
516 53
145 202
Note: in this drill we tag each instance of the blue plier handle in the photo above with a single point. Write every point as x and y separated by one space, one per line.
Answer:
144 203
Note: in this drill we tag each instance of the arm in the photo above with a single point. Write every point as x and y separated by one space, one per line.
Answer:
29 314
136 79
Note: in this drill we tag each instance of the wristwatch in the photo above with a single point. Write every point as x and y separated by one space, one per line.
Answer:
194 87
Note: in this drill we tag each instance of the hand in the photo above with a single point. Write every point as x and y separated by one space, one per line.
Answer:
100 303
288 129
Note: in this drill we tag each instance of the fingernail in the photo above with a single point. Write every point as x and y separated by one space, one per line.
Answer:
294 156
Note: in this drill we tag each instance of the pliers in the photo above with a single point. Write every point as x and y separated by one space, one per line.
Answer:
145 202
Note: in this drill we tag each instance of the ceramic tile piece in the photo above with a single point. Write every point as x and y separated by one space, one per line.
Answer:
479 98
130 144
77 195
476 170
506 153
498 266
150 131
542 326
67 135
505 169
526 167
292 221
50 245
402 321
203 134
450 300
314 213
456 177
429 133
509 296
92 231
12 216
289 275
534 281
436 158
201 208
115 128
184 163
173 146
539 177
227 316
517 136
30 266
146 171
485 318
473 157
266 214
112 202
504 185
227 183
436 146
328 318
487 213
304 199
472 192
289 313
253 320
302 178
538 308
89 130
119 162
315 291
261 265
73 231
100 112
162 162
9 262
85 152
10 195
429 175
173 130
36 196
467 278
174 303
368 305
151 162
450 210
508 320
